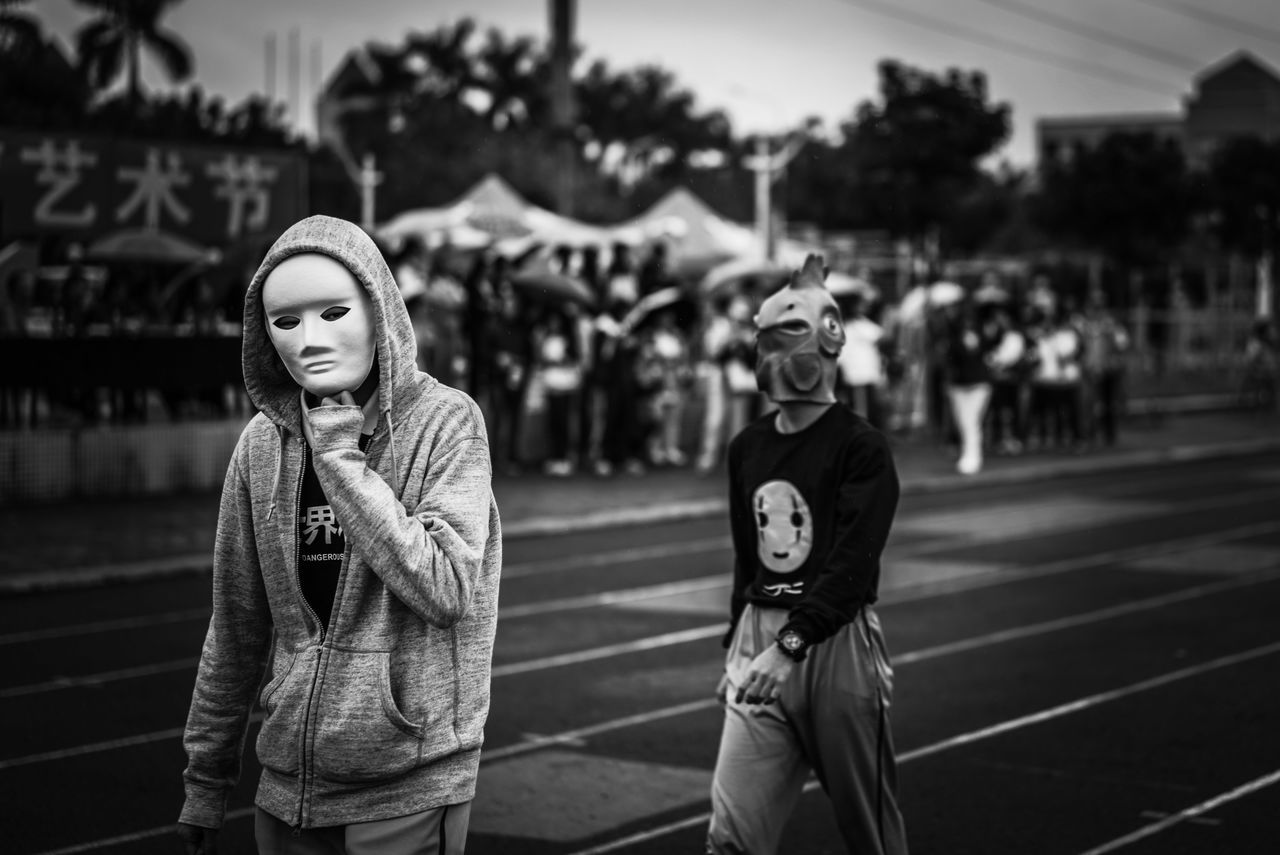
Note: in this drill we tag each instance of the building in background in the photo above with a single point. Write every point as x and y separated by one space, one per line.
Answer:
1239 96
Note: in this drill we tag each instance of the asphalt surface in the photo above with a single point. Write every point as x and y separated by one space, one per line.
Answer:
1083 665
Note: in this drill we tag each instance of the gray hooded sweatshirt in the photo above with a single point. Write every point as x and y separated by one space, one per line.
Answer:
383 714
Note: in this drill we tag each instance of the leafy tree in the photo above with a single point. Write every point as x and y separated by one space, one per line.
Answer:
1129 198
447 106
193 116
448 67
641 122
114 40
1243 194
39 87
513 74
988 217
918 151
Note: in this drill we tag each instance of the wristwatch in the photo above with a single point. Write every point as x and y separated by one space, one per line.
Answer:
793 644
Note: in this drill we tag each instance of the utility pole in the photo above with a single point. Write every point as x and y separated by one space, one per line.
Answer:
767 166
563 105
370 178
269 68
295 76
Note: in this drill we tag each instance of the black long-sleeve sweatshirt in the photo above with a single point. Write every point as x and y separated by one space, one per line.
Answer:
810 514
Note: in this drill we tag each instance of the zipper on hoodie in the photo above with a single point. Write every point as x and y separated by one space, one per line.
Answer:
303 772
315 675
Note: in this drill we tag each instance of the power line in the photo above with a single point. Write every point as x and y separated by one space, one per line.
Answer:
1217 19
1068 63
1068 25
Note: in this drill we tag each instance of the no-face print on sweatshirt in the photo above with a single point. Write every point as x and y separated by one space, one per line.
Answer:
785 526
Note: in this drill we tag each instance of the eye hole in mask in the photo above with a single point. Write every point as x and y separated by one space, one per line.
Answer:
782 336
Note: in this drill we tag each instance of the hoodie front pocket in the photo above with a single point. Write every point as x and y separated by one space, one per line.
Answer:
362 734
284 704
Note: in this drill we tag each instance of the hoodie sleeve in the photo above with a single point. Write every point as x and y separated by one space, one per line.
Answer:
232 662
430 558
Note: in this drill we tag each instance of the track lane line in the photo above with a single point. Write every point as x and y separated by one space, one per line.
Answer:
913 656
515 749
517 570
901 659
99 678
1205 806
105 745
971 737
134 837
893 596
71 630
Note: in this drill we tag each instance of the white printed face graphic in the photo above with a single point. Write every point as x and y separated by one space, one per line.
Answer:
785 525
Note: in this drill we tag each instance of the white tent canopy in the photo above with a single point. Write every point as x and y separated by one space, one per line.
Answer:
690 227
491 211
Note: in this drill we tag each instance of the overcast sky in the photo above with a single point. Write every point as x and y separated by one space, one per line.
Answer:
772 64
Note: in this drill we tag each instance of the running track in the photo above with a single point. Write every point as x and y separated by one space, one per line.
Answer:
1087 665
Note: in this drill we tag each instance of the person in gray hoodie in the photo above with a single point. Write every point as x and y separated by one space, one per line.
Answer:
358 554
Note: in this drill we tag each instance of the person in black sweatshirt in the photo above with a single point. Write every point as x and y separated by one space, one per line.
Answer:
807 682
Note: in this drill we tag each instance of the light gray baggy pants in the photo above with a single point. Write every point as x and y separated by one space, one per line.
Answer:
833 718
439 831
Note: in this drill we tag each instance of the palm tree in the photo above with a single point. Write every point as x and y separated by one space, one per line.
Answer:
449 64
116 37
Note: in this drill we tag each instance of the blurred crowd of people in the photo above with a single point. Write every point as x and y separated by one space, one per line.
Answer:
609 379
643 369
618 388
1040 374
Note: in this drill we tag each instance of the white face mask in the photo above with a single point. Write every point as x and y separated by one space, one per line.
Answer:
320 321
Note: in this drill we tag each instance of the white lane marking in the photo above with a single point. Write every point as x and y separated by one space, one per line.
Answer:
1187 814
900 659
146 569
910 657
1073 621
99 678
987 733
1017 517
653 642
615 597
605 559
568 737
696 706
1082 562
917 592
1081 704
161 831
999 573
575 562
1217 560
106 745
616 556
104 626
1002 573
93 748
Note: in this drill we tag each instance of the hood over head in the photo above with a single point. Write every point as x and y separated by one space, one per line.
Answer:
799 334
270 387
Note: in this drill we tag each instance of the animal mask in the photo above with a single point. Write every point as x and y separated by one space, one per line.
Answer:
799 334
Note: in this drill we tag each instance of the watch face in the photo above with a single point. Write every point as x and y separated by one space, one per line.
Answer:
792 641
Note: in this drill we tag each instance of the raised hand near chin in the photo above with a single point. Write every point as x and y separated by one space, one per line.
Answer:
343 399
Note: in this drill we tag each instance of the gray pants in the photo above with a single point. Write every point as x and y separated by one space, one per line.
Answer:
440 831
832 719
